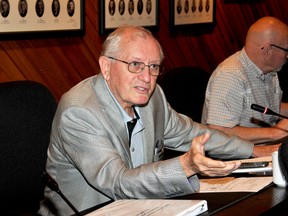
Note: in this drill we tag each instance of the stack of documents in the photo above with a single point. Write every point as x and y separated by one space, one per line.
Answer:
153 207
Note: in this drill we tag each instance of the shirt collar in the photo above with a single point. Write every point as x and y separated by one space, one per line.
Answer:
254 69
124 115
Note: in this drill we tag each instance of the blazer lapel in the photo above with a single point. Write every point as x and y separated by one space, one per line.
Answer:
148 133
114 118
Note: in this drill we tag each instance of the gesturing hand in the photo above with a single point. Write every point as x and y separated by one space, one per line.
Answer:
194 161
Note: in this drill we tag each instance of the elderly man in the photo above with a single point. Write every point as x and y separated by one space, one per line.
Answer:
93 156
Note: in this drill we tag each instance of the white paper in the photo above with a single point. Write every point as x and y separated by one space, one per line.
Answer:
155 207
232 184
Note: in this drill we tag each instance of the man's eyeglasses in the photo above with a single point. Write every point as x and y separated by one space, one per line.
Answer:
137 67
284 49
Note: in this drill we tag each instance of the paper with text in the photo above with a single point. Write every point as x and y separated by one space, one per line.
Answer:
232 184
155 207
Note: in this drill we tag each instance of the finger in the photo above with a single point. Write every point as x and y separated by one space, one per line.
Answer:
205 138
199 141
232 165
229 167
217 168
212 164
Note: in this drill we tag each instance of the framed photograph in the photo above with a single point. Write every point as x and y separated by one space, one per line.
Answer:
41 16
114 13
191 12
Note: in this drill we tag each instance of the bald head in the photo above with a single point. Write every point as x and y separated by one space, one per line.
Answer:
260 43
267 30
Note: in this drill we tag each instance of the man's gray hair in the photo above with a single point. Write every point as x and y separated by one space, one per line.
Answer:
112 44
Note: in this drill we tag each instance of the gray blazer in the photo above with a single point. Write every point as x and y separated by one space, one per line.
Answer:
90 159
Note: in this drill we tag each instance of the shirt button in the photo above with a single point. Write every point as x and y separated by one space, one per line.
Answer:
133 149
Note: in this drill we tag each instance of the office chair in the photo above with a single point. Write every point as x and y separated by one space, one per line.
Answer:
283 80
26 110
185 89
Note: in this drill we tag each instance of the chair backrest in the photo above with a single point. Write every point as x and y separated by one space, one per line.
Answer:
283 80
185 88
27 109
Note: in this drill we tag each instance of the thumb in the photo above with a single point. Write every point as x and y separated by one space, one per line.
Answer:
203 139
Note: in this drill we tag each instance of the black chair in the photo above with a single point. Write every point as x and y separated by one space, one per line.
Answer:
185 89
283 80
26 109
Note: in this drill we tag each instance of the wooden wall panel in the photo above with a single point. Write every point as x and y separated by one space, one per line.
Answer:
60 63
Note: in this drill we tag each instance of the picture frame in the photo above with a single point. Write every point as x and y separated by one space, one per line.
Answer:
114 13
184 13
41 17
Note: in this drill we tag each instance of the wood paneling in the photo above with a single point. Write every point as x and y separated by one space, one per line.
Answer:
60 63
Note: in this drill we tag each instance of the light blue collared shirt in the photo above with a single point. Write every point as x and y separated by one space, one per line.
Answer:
137 144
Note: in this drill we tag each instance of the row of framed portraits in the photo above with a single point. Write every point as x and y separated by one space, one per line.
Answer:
35 16
58 16
114 13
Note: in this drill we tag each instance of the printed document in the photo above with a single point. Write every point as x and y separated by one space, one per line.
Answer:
152 207
232 184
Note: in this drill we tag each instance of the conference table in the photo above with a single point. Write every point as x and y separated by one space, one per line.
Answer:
271 200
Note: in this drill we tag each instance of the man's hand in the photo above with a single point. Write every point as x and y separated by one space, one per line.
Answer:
194 161
265 150
282 125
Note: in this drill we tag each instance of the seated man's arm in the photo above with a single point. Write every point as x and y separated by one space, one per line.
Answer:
257 135
284 109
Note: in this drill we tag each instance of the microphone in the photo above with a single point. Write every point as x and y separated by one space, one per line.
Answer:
266 110
52 184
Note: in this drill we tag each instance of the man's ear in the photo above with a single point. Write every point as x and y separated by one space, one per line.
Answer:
266 50
105 66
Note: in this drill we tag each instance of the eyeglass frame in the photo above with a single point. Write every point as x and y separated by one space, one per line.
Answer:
160 67
279 47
